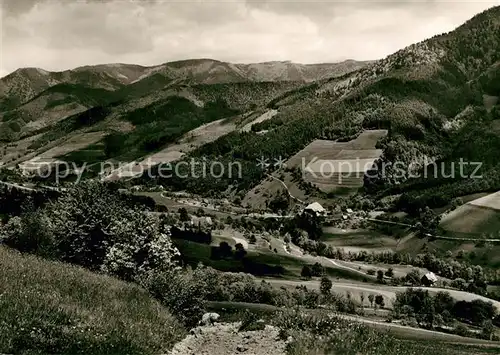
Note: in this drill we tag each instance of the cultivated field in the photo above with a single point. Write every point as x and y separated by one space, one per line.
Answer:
343 164
75 143
190 141
333 164
356 240
491 201
476 217
356 290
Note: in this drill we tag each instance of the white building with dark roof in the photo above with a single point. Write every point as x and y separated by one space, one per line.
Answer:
315 208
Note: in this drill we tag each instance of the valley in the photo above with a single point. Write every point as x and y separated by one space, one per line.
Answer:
353 225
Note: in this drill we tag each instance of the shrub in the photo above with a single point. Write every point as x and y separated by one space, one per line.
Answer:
326 285
183 292
250 321
94 226
306 272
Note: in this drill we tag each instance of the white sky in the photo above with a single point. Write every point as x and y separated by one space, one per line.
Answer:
63 34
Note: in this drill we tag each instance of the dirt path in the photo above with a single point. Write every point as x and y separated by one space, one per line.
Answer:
224 339
346 267
286 188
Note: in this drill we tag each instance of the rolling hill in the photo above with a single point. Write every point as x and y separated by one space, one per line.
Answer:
480 216
438 100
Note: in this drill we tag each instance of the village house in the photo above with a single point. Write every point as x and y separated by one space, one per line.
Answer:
316 209
429 279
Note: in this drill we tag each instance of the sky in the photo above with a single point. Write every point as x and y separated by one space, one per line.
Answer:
63 34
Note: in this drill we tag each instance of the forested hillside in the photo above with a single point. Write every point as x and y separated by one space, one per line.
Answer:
429 95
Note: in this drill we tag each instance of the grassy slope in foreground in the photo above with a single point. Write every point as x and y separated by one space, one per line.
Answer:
51 307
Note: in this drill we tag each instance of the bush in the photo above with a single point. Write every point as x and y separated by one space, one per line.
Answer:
92 225
326 285
181 291
250 321
306 272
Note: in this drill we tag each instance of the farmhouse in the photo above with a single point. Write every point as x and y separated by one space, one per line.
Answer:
429 279
315 208
202 222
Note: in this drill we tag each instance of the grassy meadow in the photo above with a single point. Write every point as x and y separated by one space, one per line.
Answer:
51 307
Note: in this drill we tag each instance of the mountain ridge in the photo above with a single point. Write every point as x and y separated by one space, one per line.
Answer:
25 83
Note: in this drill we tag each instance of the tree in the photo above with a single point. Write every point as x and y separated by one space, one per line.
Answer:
371 298
389 272
252 239
325 285
306 272
94 226
380 276
379 300
362 297
317 269
183 215
225 250
487 329
239 252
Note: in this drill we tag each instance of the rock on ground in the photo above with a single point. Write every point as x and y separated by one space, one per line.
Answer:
224 339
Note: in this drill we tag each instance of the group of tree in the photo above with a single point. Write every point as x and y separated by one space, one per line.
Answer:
94 226
316 270
435 311
225 251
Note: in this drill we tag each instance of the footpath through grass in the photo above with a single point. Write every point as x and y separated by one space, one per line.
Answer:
54 308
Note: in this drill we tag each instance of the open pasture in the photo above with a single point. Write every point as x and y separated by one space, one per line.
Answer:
476 217
330 165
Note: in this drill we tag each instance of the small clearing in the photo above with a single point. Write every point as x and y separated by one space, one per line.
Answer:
264 117
224 339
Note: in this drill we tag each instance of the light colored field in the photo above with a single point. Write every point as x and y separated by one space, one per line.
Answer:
12 151
77 142
264 117
333 164
476 217
358 240
491 201
189 142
